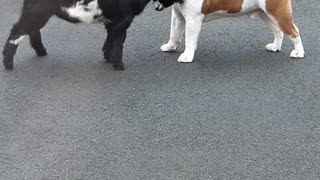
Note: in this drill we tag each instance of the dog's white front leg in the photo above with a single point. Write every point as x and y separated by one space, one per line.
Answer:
177 28
193 28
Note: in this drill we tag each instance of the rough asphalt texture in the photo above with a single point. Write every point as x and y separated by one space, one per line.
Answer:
237 112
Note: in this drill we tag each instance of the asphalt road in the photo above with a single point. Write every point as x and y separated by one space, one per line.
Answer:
237 112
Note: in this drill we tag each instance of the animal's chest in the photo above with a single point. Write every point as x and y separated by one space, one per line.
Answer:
87 11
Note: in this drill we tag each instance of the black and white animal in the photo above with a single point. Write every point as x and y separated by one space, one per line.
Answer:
117 16
188 16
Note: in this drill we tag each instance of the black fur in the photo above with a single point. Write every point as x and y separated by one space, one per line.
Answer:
36 13
168 3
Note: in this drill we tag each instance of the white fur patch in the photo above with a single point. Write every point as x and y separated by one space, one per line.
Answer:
85 13
169 47
186 57
253 15
17 41
298 51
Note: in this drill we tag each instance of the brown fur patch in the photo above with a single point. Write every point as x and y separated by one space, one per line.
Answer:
281 11
231 6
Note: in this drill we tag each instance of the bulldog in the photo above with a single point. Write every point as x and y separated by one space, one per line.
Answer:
188 16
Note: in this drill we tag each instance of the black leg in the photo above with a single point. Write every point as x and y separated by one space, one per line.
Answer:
8 52
36 43
107 47
118 34
27 24
118 50
11 46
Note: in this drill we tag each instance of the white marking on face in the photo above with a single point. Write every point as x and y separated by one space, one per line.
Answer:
85 13
17 41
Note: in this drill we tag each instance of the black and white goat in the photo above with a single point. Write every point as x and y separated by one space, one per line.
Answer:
117 16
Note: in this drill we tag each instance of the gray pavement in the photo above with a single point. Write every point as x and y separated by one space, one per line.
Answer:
237 112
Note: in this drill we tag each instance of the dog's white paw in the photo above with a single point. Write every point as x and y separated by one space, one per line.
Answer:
254 15
169 47
272 47
186 57
296 54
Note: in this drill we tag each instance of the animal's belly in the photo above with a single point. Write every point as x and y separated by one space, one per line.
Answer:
87 13
218 15
247 7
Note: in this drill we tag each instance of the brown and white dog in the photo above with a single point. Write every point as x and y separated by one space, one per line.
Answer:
188 15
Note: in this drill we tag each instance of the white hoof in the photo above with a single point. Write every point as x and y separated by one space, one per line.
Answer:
272 47
296 54
186 57
169 47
